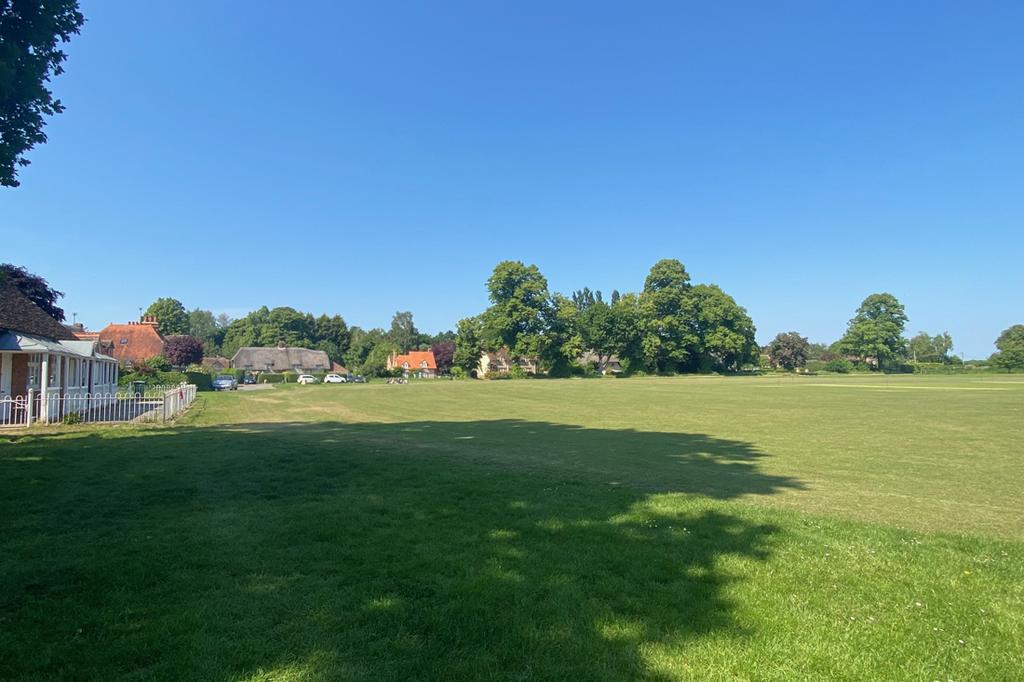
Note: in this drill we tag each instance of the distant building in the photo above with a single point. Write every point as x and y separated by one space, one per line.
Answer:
611 363
500 362
420 362
134 342
216 362
280 359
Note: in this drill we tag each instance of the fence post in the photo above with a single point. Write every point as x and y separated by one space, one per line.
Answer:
30 407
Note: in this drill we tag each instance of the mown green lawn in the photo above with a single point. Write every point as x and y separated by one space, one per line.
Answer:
657 529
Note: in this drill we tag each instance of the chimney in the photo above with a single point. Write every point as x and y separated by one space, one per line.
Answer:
150 320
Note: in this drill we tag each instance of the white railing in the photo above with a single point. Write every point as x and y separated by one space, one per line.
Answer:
149 406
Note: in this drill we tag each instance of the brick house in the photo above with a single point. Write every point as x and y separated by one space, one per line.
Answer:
421 362
133 342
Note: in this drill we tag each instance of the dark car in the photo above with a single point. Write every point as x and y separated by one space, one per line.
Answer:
357 379
248 379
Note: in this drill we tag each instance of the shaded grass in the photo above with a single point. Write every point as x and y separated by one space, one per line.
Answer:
483 544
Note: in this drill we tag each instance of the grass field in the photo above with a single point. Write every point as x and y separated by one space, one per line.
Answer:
656 529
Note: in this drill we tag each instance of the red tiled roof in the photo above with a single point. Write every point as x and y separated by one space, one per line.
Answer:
416 358
133 342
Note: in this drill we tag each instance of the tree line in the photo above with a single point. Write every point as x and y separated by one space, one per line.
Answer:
875 339
671 325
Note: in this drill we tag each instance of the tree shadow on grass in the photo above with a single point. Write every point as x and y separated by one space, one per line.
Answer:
456 550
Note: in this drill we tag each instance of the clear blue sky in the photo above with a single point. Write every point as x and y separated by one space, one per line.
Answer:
363 158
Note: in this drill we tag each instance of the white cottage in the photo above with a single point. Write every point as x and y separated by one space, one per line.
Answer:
41 357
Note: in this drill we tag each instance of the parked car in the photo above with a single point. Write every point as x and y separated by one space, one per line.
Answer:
249 379
306 379
357 379
225 382
334 379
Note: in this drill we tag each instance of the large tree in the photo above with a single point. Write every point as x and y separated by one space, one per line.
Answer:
789 350
444 354
331 335
182 350
469 343
925 348
519 307
35 288
596 324
1011 349
724 331
403 333
876 331
667 312
171 316
31 35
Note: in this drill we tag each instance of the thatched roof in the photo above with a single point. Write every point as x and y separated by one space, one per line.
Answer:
19 314
280 359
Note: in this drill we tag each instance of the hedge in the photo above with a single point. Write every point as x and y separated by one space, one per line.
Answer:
202 380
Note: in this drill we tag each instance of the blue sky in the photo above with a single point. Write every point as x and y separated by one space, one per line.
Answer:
363 158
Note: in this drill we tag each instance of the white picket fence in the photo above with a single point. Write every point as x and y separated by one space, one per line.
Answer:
155 404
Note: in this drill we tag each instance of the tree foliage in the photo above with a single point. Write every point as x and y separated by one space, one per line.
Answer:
876 331
34 287
31 33
444 354
469 343
403 333
1011 349
519 309
789 350
925 348
171 316
182 350
269 327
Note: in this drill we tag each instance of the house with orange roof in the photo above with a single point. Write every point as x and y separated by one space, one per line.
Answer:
420 362
133 342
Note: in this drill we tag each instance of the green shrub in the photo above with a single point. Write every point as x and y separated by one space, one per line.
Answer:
72 418
516 372
813 366
839 365
289 377
152 378
202 380
458 373
493 375
270 378
898 367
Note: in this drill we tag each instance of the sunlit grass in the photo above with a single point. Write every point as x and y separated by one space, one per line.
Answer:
601 530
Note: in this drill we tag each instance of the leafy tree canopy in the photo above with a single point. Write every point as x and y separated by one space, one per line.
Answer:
876 331
35 288
170 315
725 331
925 348
444 354
1011 349
183 350
789 350
468 343
520 304
30 35
403 333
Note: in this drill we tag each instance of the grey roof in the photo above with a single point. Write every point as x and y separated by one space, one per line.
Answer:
12 341
280 358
